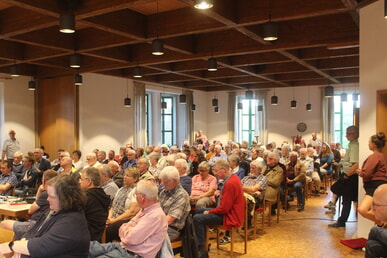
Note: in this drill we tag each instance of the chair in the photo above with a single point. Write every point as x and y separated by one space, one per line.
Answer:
6 236
291 188
266 205
233 232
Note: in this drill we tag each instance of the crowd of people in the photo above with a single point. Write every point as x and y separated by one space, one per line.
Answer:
125 194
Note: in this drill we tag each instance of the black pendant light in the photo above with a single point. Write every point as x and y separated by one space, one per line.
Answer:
215 102
14 70
217 109
157 44
67 22
328 91
182 99
203 4
127 100
78 80
75 61
212 64
137 73
32 85
308 106
274 99
270 29
193 107
260 108
240 105
249 94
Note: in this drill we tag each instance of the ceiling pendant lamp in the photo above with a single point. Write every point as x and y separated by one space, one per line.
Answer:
308 106
215 102
385 9
32 85
163 105
355 96
328 91
293 103
182 99
270 29
217 109
260 108
78 80
212 64
137 73
157 44
14 70
249 94
274 99
67 22
127 100
75 61
203 4
240 105
343 97
193 107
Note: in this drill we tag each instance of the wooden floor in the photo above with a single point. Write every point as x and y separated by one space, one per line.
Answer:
298 234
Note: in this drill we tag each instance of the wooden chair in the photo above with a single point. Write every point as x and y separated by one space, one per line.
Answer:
6 236
233 231
291 188
266 205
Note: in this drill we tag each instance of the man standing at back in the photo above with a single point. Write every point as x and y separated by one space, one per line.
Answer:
10 146
230 207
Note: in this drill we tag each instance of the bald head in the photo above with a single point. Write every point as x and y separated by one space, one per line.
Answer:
380 203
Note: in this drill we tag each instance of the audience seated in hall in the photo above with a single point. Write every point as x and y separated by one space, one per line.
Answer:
218 155
101 157
41 164
77 162
203 188
39 208
274 174
295 176
55 162
233 160
174 201
143 236
143 166
29 177
198 158
97 203
107 184
311 174
326 159
254 186
66 168
185 180
17 165
124 205
211 151
117 174
91 160
132 161
7 178
154 167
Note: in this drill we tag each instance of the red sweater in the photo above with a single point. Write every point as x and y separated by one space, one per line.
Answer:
232 203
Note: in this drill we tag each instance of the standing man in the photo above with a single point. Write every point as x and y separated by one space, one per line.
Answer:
315 142
347 185
230 207
10 146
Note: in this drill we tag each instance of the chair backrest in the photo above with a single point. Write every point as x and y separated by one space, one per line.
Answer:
6 235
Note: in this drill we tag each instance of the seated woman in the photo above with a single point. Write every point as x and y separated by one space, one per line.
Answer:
233 160
124 204
203 187
326 158
63 231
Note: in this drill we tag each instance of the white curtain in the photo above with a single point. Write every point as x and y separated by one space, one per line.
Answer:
231 116
140 115
327 114
262 117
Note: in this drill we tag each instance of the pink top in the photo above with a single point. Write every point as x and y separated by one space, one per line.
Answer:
146 233
200 186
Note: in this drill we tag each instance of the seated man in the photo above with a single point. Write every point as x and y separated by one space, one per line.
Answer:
295 176
254 187
7 179
97 204
377 238
38 208
311 174
107 184
185 180
144 234
174 201
229 211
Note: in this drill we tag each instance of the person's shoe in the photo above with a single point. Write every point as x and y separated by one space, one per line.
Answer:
225 240
203 254
300 208
337 225
331 211
330 205
273 213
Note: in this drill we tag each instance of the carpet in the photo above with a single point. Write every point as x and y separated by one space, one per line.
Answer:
355 243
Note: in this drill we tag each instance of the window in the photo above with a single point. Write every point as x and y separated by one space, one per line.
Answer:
343 117
167 121
247 120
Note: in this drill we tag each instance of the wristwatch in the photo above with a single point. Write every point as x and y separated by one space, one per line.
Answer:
10 245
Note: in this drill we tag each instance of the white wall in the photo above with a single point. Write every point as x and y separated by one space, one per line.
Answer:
373 77
18 110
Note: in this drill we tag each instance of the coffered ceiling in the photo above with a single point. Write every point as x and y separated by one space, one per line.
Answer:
318 41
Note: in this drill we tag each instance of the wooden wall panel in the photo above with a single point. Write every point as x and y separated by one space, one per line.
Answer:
57 114
381 114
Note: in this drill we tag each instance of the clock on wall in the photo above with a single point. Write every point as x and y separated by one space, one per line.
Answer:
301 127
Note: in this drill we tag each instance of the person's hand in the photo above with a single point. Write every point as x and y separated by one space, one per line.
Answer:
217 193
205 212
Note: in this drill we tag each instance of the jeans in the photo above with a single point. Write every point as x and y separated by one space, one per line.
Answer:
200 221
377 243
108 250
298 189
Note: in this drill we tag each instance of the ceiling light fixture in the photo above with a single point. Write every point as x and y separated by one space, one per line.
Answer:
355 96
32 85
217 109
75 61
212 64
67 22
215 102
249 94
240 105
308 106
343 97
163 105
260 108
127 100
274 99
78 80
328 91
293 103
157 44
270 29
137 72
203 4
193 107
385 9
14 70
182 99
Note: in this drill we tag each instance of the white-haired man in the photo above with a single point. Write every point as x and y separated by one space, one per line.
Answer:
185 180
217 156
